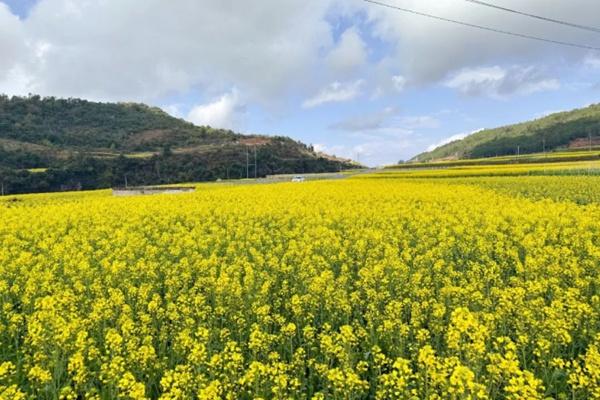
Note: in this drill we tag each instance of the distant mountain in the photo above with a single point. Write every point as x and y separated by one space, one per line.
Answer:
571 129
59 144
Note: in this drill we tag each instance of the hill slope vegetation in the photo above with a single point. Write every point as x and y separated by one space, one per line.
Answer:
49 144
571 129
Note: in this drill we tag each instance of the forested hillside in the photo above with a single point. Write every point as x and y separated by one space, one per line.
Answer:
573 129
49 144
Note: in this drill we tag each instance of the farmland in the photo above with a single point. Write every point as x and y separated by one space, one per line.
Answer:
481 284
544 158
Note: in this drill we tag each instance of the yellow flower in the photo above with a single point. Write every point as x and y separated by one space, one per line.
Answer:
39 375
394 285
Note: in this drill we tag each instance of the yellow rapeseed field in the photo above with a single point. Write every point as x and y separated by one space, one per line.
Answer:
361 288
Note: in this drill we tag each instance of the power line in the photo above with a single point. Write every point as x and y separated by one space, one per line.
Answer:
485 28
556 21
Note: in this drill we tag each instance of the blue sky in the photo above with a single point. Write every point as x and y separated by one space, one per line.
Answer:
20 7
351 78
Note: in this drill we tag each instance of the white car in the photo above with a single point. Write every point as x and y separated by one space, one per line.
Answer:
298 178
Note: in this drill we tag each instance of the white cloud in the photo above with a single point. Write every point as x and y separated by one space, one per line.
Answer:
15 82
499 82
173 109
387 122
349 54
547 113
123 50
471 80
126 50
458 136
399 82
365 122
334 93
427 49
224 112
419 122
592 61
383 136
385 81
12 40
374 152
320 148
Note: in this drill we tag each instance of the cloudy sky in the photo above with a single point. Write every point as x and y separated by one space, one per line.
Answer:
352 78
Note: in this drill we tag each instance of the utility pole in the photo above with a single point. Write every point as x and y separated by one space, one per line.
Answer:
544 146
2 186
126 181
255 164
247 164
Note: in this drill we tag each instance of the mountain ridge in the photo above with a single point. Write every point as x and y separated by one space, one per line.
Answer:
552 132
76 143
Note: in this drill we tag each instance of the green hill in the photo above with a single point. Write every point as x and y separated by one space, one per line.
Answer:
564 130
49 144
